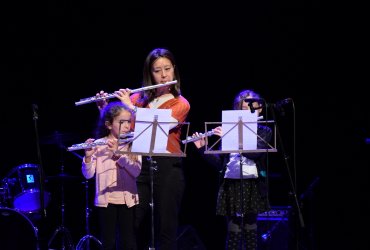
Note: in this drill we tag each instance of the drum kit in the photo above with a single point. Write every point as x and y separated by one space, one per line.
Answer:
20 189
21 206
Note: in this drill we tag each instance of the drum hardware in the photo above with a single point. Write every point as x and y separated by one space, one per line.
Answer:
84 242
65 233
58 138
62 177
4 193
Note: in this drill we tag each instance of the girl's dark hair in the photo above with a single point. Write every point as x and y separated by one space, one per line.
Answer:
238 101
112 110
148 96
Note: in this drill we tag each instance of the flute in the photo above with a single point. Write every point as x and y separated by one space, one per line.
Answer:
197 138
124 139
109 96
85 145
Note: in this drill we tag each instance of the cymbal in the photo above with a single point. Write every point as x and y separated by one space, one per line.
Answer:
58 138
62 177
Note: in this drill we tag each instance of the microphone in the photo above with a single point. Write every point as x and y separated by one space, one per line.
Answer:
250 105
250 102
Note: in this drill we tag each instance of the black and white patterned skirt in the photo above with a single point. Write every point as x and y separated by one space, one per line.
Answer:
229 196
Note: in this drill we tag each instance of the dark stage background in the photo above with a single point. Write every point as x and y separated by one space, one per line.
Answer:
58 52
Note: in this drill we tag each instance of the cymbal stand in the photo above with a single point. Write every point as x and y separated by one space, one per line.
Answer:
66 235
84 242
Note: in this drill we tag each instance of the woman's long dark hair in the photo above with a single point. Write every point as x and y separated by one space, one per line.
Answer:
148 96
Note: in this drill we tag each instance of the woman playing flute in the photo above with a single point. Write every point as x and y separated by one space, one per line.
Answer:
159 68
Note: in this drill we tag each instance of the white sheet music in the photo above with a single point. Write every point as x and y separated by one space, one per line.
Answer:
230 140
144 125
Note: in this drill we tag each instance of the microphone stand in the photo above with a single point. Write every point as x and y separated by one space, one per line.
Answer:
41 172
285 157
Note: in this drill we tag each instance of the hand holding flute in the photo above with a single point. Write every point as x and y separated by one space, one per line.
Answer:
122 94
199 138
90 147
89 151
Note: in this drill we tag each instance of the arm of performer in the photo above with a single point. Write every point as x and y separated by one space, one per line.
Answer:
122 94
89 161
88 168
179 109
89 151
214 159
132 167
202 141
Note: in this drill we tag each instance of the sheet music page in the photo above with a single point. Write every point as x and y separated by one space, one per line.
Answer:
230 140
144 125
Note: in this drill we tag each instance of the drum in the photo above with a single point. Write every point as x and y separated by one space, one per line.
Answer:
17 231
24 188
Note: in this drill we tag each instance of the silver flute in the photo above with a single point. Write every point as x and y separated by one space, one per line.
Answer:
124 139
109 96
197 138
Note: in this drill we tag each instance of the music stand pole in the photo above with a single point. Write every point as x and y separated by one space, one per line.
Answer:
240 142
152 167
241 198
85 240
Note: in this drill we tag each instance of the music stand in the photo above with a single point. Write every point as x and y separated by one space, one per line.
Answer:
156 124
239 123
